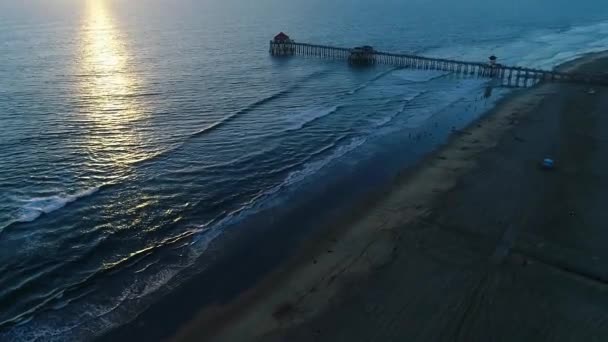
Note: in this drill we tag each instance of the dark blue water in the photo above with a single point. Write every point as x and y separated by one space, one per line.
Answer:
134 134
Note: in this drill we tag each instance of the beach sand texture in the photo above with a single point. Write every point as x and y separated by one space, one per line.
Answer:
476 243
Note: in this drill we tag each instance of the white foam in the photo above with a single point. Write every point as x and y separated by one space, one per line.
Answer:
354 91
155 282
369 82
413 75
265 199
106 313
298 121
34 207
418 115
314 167
540 49
384 120
413 96
406 100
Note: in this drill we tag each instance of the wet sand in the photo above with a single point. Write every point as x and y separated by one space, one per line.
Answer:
476 243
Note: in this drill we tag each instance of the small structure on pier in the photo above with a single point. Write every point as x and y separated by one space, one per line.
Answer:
282 45
282 38
493 60
495 68
362 55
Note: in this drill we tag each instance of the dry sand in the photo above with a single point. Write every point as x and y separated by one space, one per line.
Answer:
475 243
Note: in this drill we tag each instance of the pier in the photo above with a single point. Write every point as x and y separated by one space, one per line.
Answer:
282 45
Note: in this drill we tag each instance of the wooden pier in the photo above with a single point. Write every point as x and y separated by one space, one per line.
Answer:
282 45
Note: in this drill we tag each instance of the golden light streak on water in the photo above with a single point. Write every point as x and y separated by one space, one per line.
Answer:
109 89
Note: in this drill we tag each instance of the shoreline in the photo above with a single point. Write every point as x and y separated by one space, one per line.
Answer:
248 304
365 241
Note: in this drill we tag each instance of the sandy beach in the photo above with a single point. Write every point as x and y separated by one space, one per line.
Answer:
476 243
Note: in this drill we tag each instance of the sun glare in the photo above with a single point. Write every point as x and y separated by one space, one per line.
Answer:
108 87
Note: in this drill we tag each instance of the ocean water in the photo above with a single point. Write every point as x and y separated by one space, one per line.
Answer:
134 134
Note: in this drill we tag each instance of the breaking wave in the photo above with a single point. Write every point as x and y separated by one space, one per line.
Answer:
37 206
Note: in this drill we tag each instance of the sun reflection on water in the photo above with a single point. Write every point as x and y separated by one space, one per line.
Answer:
109 89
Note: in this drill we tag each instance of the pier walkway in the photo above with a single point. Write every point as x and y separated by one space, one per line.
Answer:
282 46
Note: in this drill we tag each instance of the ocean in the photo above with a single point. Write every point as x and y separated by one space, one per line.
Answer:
141 140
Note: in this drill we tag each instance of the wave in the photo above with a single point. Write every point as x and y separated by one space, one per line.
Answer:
421 76
424 111
142 261
260 200
263 199
314 154
61 296
155 282
301 119
406 100
213 126
139 260
230 117
62 304
37 206
240 112
314 167
540 48
255 105
135 95
370 81
107 312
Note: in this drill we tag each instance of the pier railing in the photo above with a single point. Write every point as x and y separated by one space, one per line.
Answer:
479 69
